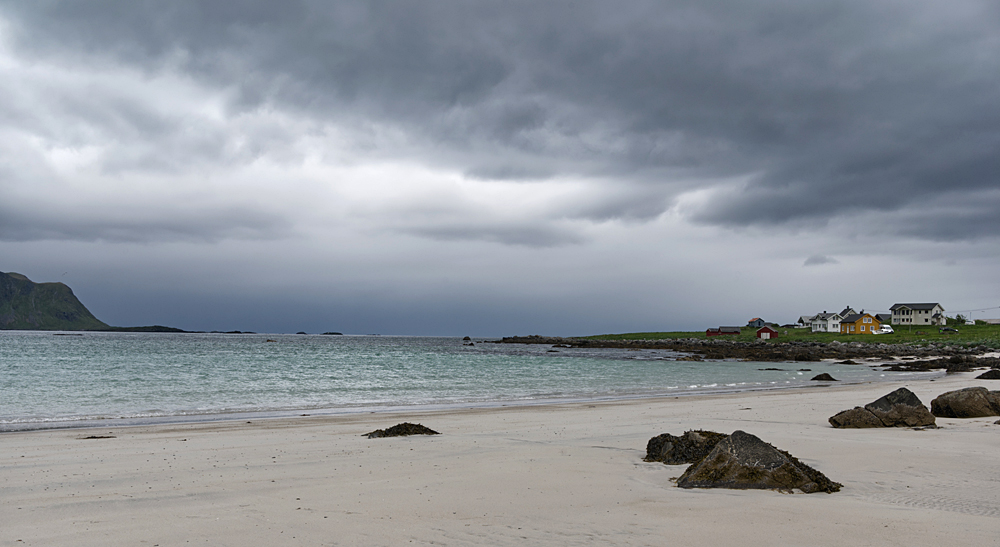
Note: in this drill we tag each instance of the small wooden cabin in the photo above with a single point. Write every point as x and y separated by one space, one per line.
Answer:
766 333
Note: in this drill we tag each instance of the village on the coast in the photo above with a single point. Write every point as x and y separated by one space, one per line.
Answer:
848 321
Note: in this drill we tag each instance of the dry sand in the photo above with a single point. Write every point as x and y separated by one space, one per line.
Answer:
568 474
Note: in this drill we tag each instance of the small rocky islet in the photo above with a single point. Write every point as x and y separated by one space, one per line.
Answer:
953 358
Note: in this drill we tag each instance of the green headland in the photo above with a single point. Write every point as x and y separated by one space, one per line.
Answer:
26 305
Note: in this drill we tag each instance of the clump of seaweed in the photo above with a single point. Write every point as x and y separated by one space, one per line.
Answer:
401 430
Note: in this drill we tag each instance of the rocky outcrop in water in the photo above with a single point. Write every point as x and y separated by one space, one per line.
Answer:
760 350
824 378
971 402
744 461
901 408
690 447
401 430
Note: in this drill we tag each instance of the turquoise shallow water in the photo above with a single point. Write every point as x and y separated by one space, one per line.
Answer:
50 380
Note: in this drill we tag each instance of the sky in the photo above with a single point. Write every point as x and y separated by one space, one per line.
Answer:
500 168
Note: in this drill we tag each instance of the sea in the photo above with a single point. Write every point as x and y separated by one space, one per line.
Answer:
61 379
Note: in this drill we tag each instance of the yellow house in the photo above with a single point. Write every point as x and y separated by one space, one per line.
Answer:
859 323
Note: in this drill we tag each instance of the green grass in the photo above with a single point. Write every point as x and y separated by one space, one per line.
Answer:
42 306
968 335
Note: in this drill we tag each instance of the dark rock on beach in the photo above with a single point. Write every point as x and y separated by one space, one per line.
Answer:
824 378
971 402
992 374
743 461
690 447
901 408
401 430
857 418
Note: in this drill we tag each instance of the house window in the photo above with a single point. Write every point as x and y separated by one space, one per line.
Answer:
862 328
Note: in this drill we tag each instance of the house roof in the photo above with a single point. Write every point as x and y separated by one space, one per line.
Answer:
920 306
768 327
854 317
847 311
824 316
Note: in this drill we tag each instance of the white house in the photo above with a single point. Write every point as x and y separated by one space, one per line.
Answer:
926 313
826 322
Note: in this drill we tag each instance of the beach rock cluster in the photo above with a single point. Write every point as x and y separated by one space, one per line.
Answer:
690 447
953 364
709 349
971 402
744 461
401 430
992 374
740 461
901 408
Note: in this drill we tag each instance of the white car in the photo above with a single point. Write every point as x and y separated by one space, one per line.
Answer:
884 329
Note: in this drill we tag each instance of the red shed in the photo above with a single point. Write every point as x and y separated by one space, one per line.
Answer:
766 333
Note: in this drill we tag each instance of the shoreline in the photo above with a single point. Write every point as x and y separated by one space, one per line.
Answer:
559 474
267 414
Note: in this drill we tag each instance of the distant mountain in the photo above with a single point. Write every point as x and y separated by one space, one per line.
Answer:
26 305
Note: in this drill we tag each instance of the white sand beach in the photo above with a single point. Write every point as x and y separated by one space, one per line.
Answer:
569 474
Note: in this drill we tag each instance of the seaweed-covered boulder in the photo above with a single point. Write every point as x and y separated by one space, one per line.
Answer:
992 374
971 402
824 378
690 447
401 430
743 461
901 408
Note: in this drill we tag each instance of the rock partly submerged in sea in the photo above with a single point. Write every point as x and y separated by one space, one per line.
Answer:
744 461
401 430
824 378
971 402
901 408
690 447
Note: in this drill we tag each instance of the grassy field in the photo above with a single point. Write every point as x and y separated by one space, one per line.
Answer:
967 335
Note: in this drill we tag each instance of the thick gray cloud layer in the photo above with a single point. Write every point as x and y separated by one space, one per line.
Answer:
403 148
822 109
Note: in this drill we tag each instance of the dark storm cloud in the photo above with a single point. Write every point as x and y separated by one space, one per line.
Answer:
530 236
824 109
817 260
